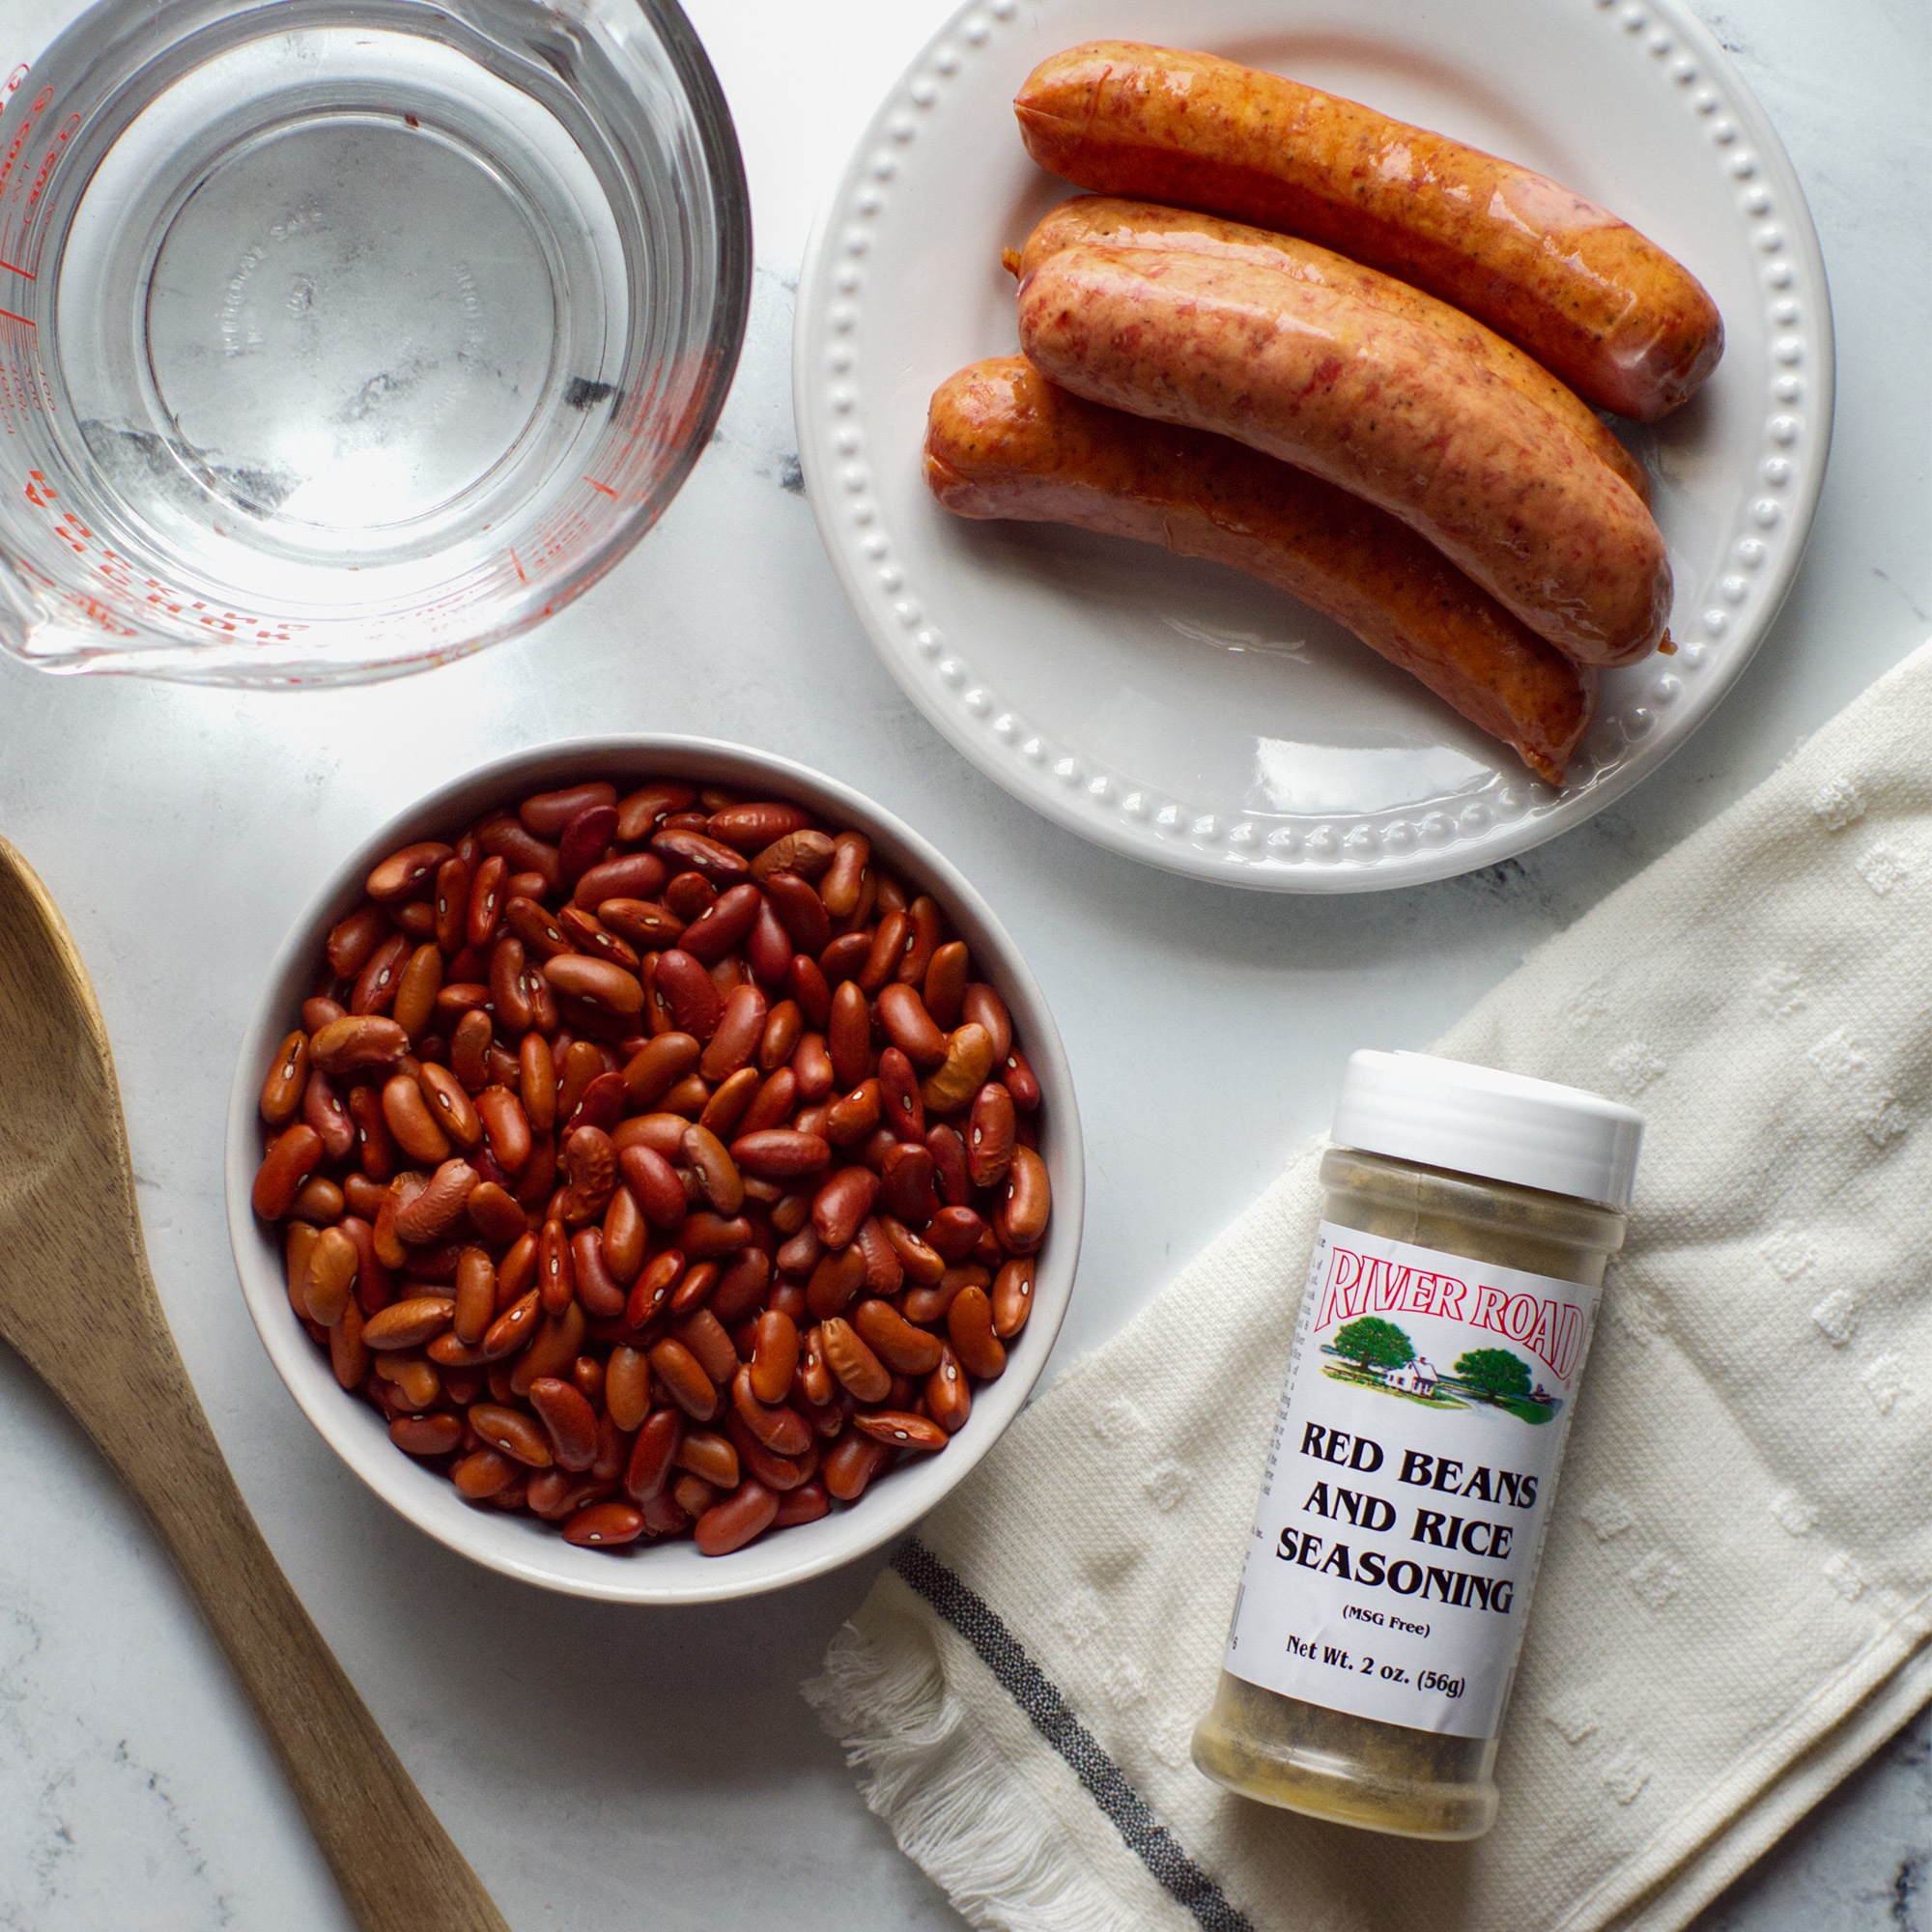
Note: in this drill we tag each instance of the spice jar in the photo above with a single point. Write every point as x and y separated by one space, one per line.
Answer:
1469 1218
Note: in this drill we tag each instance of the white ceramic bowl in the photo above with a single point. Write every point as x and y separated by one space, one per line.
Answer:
520 1546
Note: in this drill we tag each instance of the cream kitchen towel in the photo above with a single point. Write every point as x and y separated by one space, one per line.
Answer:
1733 1608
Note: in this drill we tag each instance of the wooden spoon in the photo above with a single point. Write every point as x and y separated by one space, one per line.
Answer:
77 1301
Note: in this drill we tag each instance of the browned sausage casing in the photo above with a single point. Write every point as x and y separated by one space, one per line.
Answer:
1623 323
1375 404
1109 223
1003 442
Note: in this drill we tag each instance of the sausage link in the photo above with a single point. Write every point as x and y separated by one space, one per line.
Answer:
1114 224
1003 442
1376 405
1627 328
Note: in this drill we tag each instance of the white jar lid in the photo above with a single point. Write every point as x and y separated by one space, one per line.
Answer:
1447 1113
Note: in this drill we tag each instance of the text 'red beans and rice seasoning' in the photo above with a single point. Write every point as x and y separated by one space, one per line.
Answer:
1469 1219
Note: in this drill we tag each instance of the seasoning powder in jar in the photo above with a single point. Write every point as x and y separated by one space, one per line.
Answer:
1469 1218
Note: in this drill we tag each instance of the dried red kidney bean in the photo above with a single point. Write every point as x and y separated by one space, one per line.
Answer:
704 1100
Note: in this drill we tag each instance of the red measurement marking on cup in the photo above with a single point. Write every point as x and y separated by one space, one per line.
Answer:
452 611
25 391
132 597
77 604
68 128
220 622
559 539
19 140
23 388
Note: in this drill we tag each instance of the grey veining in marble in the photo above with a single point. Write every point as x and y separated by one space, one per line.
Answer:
606 1769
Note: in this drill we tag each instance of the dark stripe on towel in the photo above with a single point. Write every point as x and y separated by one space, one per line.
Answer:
1001 1653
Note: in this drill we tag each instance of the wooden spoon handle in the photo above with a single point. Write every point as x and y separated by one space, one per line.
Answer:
397 1868
77 1300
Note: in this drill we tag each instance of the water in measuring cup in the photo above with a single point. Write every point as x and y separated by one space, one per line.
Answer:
359 308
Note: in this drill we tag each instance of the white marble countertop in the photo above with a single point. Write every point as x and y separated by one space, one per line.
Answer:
605 1768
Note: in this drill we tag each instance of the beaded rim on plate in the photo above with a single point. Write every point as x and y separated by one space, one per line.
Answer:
1718 619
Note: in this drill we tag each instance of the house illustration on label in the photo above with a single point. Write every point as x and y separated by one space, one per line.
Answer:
1416 1377
1375 1353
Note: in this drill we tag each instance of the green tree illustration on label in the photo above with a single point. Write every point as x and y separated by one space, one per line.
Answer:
1496 1370
1503 1376
1376 1343
1382 1356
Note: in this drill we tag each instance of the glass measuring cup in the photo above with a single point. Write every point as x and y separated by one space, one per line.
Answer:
343 336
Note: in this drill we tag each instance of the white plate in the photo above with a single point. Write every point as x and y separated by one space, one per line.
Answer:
1185 715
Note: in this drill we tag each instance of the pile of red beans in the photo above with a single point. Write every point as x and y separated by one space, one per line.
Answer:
655 1164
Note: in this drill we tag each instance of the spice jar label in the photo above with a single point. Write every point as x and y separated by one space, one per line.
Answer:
1409 1484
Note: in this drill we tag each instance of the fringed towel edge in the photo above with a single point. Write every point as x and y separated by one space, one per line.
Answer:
954 1808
